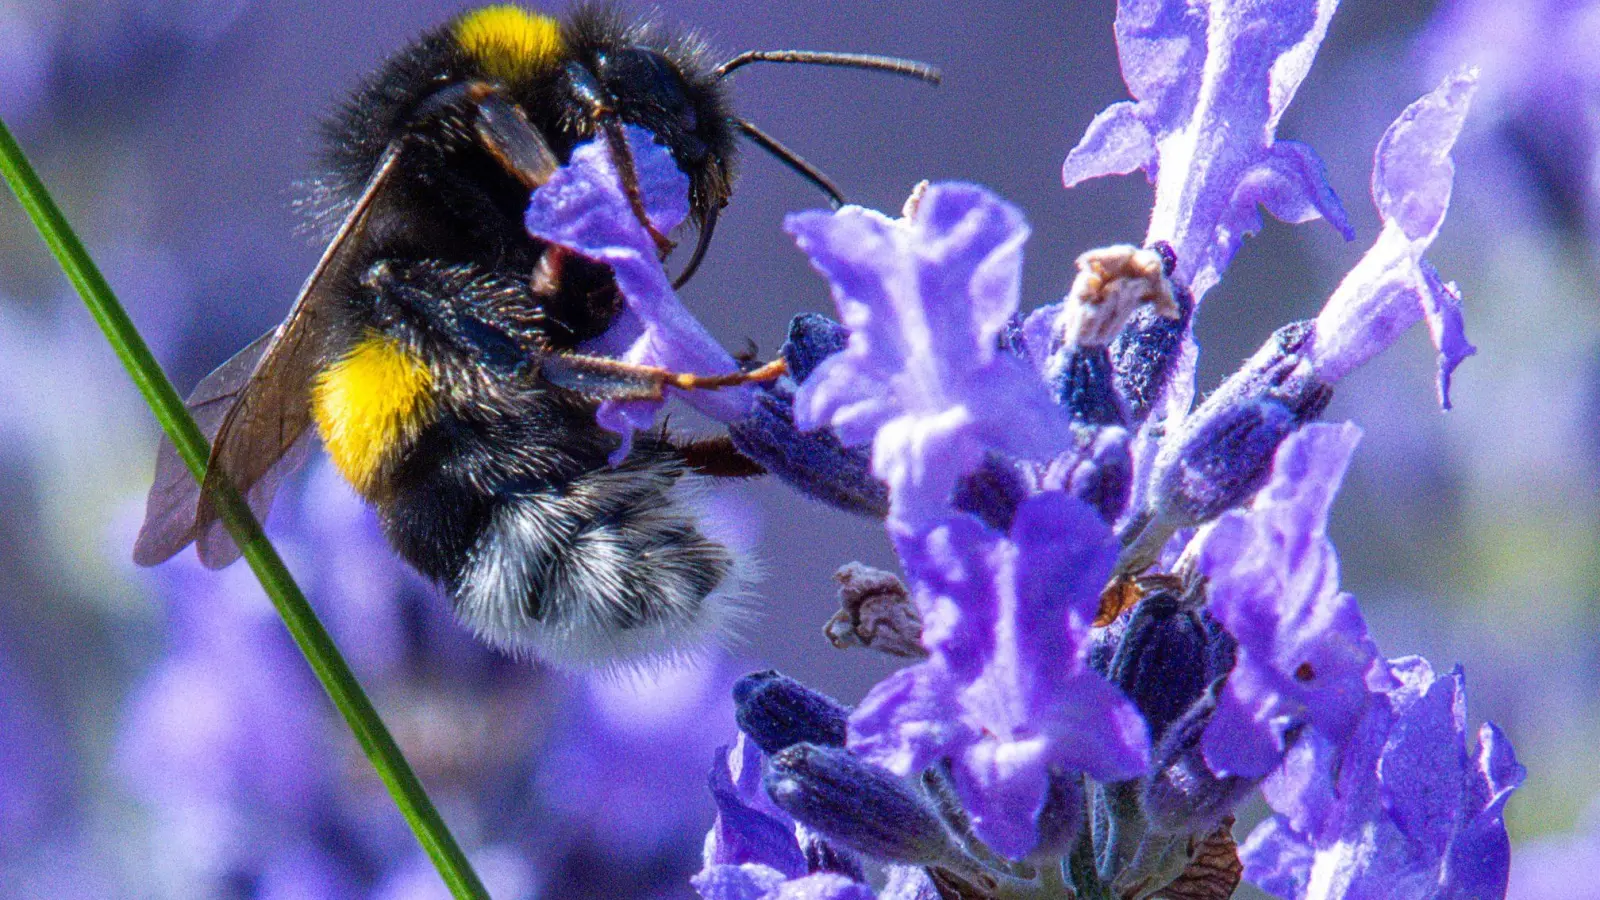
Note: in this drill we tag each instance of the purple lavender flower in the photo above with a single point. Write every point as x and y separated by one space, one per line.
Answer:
1304 653
754 850
922 376
1211 82
1006 694
1403 811
991 434
1219 455
1392 287
585 209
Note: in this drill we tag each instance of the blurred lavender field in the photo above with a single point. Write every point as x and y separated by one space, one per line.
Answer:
159 736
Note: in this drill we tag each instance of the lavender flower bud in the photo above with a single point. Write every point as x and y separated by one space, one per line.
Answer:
1061 816
1146 351
1112 285
813 462
991 492
812 339
857 805
1224 453
823 855
777 712
1085 385
1166 656
1182 794
1097 470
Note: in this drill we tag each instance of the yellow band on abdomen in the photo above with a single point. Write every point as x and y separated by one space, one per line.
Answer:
368 403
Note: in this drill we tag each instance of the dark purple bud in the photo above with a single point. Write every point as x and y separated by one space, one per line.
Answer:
777 712
812 462
1182 794
1013 339
1144 354
812 339
1061 817
1085 384
875 611
857 805
1161 659
991 492
1224 452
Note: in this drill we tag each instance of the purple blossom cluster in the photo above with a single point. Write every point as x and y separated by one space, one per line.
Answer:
1130 611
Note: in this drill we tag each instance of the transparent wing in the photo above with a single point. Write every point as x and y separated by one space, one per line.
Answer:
257 406
169 514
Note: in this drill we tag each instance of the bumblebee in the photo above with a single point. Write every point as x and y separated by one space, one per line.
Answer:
418 348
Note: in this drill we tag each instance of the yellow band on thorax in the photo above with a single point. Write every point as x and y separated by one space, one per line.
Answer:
368 403
510 43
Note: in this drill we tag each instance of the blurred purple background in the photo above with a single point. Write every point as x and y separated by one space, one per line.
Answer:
173 133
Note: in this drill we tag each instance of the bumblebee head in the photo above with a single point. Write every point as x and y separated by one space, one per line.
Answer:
571 76
573 79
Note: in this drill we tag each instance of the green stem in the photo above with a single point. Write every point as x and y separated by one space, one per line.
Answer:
313 639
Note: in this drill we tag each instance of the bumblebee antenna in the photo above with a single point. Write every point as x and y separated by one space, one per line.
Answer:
893 65
789 158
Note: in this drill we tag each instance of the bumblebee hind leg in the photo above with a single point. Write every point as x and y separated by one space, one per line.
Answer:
614 566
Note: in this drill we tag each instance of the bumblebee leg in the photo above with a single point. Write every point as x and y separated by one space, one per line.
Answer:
606 121
599 378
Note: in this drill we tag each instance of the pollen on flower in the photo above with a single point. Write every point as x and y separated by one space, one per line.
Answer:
1112 283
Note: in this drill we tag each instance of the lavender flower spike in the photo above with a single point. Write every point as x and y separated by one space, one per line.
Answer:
1304 652
1211 80
1392 286
584 208
922 377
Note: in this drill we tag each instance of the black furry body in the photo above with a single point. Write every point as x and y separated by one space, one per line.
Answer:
502 491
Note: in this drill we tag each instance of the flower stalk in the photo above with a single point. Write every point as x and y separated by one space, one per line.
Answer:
307 630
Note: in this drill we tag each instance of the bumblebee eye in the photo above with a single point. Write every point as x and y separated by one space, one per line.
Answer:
644 78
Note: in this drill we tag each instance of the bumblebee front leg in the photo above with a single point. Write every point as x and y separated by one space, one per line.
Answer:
600 378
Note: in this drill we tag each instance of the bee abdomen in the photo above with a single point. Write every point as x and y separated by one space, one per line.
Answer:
616 565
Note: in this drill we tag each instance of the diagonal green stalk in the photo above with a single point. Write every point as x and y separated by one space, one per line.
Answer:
312 638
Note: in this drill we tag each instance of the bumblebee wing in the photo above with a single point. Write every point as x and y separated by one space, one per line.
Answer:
257 406
169 515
